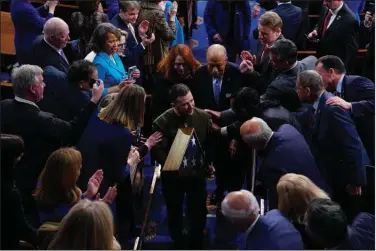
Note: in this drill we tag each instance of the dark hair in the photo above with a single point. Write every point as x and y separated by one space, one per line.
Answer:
332 62
125 5
12 147
246 99
100 35
80 70
178 90
285 50
326 221
87 6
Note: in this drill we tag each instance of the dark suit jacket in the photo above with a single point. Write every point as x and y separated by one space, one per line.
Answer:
361 234
28 24
287 152
360 92
203 92
133 50
44 55
340 38
42 133
61 98
282 88
273 231
292 18
334 132
218 19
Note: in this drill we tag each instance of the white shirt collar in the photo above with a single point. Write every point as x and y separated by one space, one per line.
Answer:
317 101
22 100
335 12
250 228
279 3
339 84
53 47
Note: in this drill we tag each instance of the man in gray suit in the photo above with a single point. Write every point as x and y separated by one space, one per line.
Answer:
283 57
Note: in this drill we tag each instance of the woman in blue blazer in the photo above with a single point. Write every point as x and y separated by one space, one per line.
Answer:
28 23
104 43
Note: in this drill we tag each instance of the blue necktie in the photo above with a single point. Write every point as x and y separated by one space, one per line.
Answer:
217 89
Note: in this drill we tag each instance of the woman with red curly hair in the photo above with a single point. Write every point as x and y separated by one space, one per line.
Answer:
178 67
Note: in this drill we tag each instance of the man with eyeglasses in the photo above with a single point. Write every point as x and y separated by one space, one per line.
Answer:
334 141
337 32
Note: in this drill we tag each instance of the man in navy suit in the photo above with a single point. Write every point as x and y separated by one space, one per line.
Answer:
327 224
48 48
292 18
281 152
353 93
215 86
334 141
125 20
272 231
227 23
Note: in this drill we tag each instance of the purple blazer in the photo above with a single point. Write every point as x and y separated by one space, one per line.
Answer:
28 23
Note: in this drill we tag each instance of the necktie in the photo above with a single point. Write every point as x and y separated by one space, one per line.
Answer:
326 22
130 27
63 55
263 52
217 89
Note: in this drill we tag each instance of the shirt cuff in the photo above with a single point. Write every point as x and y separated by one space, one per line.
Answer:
224 131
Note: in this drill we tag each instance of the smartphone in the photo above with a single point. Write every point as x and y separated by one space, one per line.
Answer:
93 81
131 70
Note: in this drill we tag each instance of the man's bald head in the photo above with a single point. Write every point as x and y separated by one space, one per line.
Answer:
217 60
56 32
256 133
240 207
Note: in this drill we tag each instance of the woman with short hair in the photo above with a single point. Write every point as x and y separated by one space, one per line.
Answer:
105 42
88 226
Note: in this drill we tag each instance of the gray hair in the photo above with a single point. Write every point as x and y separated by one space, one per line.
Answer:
128 5
54 26
311 79
236 215
261 137
23 77
216 50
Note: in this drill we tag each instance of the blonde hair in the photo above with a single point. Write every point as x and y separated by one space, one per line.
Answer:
57 181
295 192
127 109
87 226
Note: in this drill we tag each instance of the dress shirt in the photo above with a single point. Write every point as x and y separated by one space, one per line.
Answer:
220 83
130 27
316 103
334 15
339 85
279 3
22 100
249 230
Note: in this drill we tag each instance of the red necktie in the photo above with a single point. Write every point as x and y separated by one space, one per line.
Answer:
264 51
326 22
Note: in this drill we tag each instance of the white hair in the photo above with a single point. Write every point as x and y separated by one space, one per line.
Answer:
54 26
23 77
236 215
216 50
261 137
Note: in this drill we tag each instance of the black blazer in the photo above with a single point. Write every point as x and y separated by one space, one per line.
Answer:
42 133
340 39
44 55
202 88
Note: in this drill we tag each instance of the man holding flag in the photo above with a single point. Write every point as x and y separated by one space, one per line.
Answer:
181 121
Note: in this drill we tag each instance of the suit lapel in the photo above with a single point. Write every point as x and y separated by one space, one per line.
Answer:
117 66
317 119
336 22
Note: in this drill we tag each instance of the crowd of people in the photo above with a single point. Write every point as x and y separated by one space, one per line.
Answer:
299 134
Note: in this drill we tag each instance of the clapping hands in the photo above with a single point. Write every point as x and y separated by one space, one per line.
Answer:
93 187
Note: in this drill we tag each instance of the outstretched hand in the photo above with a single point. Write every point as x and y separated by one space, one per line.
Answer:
94 183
